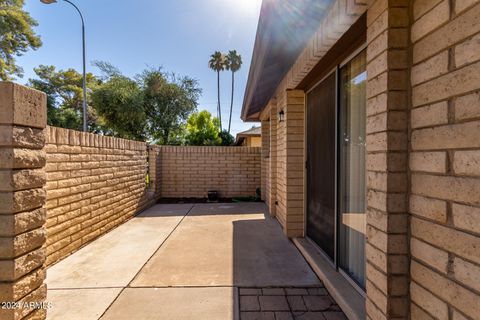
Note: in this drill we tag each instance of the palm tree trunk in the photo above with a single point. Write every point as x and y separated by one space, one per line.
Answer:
219 108
231 102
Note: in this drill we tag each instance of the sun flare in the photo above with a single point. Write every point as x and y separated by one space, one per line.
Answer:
248 5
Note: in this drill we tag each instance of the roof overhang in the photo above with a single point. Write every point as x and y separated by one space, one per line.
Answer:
284 29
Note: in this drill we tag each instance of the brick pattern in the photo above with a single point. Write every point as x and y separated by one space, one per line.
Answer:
287 165
445 160
265 156
22 198
387 251
288 304
190 172
272 165
295 145
94 183
281 164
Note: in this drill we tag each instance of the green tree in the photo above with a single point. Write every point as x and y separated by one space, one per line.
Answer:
217 64
167 101
202 130
65 96
227 138
16 37
233 63
118 103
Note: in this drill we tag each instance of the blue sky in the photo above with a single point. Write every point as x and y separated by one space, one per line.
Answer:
178 35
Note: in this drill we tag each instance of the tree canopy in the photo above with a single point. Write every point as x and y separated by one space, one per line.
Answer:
168 101
16 37
204 130
64 96
118 103
153 106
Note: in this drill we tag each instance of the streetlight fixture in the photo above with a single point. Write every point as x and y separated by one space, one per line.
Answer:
84 61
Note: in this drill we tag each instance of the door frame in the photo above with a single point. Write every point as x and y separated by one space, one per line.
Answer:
335 69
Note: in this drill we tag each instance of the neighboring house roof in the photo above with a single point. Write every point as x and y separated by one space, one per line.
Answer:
253 132
284 29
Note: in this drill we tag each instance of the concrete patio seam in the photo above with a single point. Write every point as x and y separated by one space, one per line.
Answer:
86 288
161 244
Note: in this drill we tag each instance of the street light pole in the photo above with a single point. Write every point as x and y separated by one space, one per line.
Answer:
84 61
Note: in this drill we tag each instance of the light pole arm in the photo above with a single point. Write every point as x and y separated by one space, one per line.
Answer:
78 10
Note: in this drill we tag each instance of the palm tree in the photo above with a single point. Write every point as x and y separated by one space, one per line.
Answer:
233 63
217 63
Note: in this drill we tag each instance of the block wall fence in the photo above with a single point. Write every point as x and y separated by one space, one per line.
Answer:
61 189
94 183
190 172
423 153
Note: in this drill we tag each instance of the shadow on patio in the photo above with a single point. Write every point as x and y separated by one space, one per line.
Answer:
190 261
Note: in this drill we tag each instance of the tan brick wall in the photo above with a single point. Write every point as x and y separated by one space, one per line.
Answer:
445 160
387 213
423 162
265 157
295 145
22 197
94 183
190 172
272 164
281 164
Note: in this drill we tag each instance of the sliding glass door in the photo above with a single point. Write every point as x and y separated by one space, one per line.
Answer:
335 168
352 193
321 131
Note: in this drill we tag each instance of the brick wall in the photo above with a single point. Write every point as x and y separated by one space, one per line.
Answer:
265 158
423 154
190 172
272 163
387 250
281 165
445 160
94 183
23 116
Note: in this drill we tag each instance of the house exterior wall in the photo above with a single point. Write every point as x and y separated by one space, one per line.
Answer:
190 172
445 160
265 160
387 268
423 153
254 142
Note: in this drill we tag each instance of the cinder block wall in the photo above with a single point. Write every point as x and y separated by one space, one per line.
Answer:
94 183
23 117
189 172
445 160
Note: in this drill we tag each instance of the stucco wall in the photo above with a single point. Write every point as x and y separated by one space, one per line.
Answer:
190 172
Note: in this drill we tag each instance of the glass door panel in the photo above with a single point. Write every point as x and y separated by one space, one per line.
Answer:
352 189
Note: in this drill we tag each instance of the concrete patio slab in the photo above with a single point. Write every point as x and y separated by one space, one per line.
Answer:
114 259
226 248
174 304
84 304
186 261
